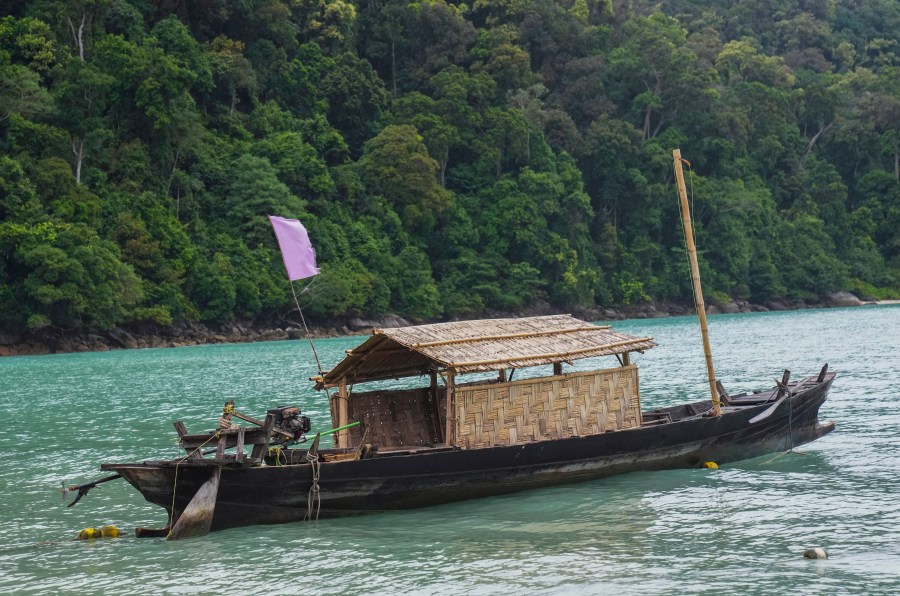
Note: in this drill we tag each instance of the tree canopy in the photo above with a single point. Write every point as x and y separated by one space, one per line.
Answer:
447 158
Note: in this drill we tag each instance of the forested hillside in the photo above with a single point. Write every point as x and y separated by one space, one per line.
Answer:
446 158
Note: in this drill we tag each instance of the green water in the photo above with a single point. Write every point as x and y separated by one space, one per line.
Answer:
741 529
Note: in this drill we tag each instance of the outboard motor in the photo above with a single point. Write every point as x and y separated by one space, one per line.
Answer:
290 420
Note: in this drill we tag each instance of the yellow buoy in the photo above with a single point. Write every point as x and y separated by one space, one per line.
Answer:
711 465
104 532
89 534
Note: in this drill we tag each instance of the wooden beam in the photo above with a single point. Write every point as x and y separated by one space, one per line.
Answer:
555 355
461 340
252 420
261 449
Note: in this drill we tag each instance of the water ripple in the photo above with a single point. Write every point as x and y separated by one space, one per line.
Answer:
742 528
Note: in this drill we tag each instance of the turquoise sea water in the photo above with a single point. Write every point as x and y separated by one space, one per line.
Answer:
740 529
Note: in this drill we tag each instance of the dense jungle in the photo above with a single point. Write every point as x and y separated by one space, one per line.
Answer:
449 159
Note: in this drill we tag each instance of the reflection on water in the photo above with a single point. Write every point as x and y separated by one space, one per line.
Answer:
742 528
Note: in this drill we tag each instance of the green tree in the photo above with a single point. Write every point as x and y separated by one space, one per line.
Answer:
395 165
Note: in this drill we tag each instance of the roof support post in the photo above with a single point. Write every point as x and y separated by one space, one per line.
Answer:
451 409
342 408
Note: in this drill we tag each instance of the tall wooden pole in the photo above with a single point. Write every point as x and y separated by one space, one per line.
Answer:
695 279
451 409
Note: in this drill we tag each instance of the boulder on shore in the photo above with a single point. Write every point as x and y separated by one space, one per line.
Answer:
843 299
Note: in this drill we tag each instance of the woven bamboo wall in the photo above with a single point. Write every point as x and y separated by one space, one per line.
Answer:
575 404
394 419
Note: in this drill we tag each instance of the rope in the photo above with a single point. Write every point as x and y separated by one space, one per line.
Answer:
277 452
305 328
308 336
313 495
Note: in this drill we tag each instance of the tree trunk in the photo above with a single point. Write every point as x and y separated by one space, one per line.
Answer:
896 159
394 66
822 130
648 111
78 151
78 36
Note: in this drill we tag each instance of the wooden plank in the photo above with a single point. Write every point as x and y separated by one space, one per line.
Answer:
180 428
239 454
196 519
252 436
261 449
193 452
257 422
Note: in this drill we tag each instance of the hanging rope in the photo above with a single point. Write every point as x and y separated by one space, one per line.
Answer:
313 499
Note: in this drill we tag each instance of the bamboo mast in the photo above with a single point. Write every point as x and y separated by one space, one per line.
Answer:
695 279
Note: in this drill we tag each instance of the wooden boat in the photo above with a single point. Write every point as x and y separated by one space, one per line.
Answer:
450 440
469 429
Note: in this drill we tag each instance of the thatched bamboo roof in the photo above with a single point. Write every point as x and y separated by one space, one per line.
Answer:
483 345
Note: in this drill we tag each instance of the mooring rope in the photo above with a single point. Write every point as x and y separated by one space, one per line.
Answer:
313 495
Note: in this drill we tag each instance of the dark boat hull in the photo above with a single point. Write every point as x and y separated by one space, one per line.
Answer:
278 494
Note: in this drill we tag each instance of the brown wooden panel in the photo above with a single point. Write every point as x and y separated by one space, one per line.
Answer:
395 419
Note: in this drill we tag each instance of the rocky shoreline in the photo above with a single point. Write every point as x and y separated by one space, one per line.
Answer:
57 341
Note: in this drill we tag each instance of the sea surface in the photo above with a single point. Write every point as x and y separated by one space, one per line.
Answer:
741 529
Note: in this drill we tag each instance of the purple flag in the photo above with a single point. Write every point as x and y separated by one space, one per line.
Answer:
296 249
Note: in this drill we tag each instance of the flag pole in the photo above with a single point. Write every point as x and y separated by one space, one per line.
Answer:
305 328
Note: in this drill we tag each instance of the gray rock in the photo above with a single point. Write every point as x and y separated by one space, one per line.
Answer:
393 321
843 299
729 308
121 338
273 334
358 323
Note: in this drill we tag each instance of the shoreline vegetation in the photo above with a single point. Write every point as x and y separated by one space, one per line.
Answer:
447 159
58 341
